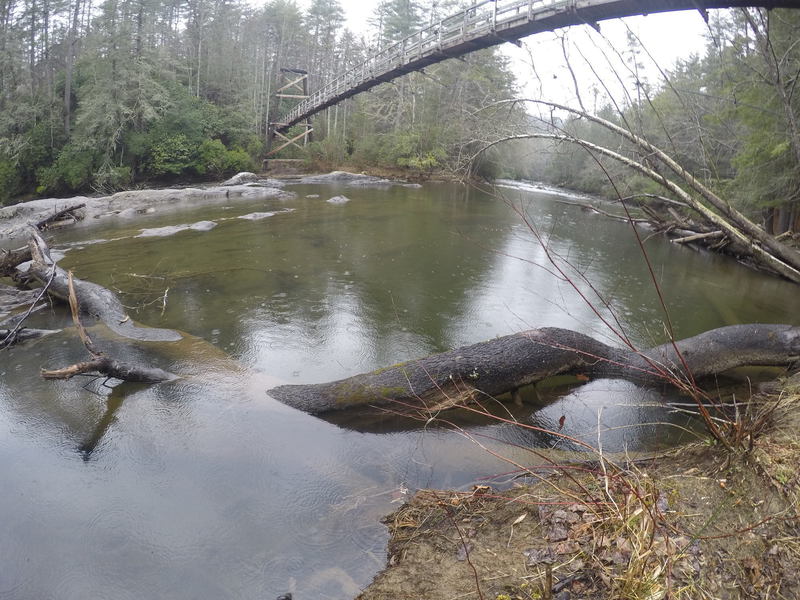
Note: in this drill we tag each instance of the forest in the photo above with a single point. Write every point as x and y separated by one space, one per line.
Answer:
96 98
104 97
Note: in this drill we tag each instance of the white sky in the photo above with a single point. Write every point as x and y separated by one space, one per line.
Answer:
667 36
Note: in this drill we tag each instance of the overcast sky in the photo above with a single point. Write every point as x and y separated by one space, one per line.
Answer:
667 36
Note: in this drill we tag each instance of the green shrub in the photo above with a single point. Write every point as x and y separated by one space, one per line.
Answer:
9 180
238 160
112 179
211 158
72 171
170 156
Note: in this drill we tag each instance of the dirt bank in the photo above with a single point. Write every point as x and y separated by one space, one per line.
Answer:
699 522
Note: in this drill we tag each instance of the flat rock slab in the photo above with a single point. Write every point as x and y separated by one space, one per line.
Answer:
15 219
345 178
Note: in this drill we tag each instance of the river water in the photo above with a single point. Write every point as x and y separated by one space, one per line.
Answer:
208 488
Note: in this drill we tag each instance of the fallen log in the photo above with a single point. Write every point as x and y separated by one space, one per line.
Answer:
698 236
501 365
94 300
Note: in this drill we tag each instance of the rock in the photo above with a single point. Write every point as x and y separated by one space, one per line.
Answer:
203 226
128 213
241 178
173 229
345 178
14 219
338 200
312 195
256 216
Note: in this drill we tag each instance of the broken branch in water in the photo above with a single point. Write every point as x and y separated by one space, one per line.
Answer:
42 224
100 364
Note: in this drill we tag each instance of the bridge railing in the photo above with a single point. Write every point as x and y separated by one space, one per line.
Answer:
479 20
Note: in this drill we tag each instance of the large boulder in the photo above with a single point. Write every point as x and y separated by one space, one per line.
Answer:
241 178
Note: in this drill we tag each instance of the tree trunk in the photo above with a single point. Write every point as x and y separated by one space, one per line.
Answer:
489 369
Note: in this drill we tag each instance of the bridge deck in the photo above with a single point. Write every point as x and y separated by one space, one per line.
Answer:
486 23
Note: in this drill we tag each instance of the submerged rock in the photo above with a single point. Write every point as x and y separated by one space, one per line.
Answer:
203 226
256 216
338 200
173 229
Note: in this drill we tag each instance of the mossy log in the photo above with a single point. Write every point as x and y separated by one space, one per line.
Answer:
501 365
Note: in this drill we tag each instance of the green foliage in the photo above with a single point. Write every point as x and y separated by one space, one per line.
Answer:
214 159
73 170
401 149
9 180
111 179
331 150
169 156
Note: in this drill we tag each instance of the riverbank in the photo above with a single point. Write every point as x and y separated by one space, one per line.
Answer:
697 522
85 210
281 168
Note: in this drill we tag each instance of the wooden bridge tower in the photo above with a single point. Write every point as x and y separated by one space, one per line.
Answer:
294 85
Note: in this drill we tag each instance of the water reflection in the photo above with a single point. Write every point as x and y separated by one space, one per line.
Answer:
206 487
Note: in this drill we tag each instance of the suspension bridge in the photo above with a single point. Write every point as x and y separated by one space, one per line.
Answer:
484 24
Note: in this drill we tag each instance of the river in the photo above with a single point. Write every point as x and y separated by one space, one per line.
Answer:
207 488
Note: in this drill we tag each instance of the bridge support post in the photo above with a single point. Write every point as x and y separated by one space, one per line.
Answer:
294 86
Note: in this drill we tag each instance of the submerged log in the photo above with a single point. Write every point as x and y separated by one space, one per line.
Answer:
9 337
94 300
495 367
97 301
